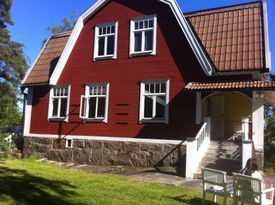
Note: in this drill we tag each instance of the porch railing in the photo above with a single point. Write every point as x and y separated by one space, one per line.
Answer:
196 148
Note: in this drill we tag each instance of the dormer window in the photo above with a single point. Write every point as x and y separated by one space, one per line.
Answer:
143 33
105 45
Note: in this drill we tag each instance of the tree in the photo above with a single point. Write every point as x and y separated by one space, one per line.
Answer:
67 25
12 69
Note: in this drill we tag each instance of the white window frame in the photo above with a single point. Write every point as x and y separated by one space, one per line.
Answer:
142 119
87 95
67 143
50 107
132 52
96 37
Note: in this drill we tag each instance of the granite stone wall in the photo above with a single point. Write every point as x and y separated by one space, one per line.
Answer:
108 152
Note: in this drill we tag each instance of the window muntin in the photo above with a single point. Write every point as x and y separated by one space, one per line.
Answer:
143 36
59 103
154 101
94 104
105 44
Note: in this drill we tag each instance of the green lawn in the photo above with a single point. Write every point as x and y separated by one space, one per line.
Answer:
31 182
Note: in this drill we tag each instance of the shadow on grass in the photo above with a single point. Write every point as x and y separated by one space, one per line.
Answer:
23 188
193 201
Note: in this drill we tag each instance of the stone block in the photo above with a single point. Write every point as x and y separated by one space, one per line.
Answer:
79 143
81 155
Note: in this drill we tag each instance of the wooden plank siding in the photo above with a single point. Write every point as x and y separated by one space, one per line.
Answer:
174 60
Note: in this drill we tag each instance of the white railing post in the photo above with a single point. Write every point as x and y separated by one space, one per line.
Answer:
196 148
191 157
246 151
245 128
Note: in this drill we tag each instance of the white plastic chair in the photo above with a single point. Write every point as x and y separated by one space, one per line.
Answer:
248 190
214 182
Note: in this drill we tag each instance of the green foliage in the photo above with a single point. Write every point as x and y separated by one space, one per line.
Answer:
5 147
12 69
67 25
270 132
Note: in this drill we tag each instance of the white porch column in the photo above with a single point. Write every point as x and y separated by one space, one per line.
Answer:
198 107
191 157
245 128
246 151
258 120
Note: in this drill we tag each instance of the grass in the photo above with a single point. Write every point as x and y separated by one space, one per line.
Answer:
31 182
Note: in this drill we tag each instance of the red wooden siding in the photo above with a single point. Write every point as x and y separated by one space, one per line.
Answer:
174 60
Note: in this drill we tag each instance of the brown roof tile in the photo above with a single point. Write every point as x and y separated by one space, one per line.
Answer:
46 62
194 86
236 30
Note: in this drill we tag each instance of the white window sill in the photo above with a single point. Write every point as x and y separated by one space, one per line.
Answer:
109 57
94 120
58 119
143 53
144 121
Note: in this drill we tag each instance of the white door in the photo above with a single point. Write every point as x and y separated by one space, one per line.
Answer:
217 117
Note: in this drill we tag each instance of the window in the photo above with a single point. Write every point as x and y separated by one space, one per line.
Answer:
105 45
154 101
143 36
69 143
94 104
59 103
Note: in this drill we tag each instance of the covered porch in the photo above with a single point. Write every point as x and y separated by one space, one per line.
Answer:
235 113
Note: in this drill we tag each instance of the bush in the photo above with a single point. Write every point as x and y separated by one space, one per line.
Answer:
270 134
5 147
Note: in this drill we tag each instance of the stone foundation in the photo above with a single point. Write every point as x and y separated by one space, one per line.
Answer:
138 154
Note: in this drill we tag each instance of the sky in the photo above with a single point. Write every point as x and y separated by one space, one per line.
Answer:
32 18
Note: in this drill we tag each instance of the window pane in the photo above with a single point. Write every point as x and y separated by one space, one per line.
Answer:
137 41
157 88
55 107
113 29
63 107
152 87
163 88
104 90
151 23
101 43
92 105
136 25
141 24
101 107
160 106
110 45
148 40
148 107
147 86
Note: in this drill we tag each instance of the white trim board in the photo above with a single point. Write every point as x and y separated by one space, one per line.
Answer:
115 139
191 38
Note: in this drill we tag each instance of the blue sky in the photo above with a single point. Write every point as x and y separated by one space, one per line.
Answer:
33 17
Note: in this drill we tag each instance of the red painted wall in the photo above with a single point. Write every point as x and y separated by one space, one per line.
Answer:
174 60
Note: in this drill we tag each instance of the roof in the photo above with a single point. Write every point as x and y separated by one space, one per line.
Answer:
253 85
44 65
232 36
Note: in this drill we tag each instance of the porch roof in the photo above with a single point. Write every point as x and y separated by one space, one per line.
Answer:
239 85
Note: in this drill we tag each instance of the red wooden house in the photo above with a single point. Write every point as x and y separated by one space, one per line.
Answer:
134 80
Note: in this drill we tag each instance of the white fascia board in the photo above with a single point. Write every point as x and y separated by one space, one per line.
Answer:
30 69
67 51
266 36
196 47
191 38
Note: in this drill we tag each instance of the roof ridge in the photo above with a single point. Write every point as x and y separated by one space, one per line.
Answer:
212 10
